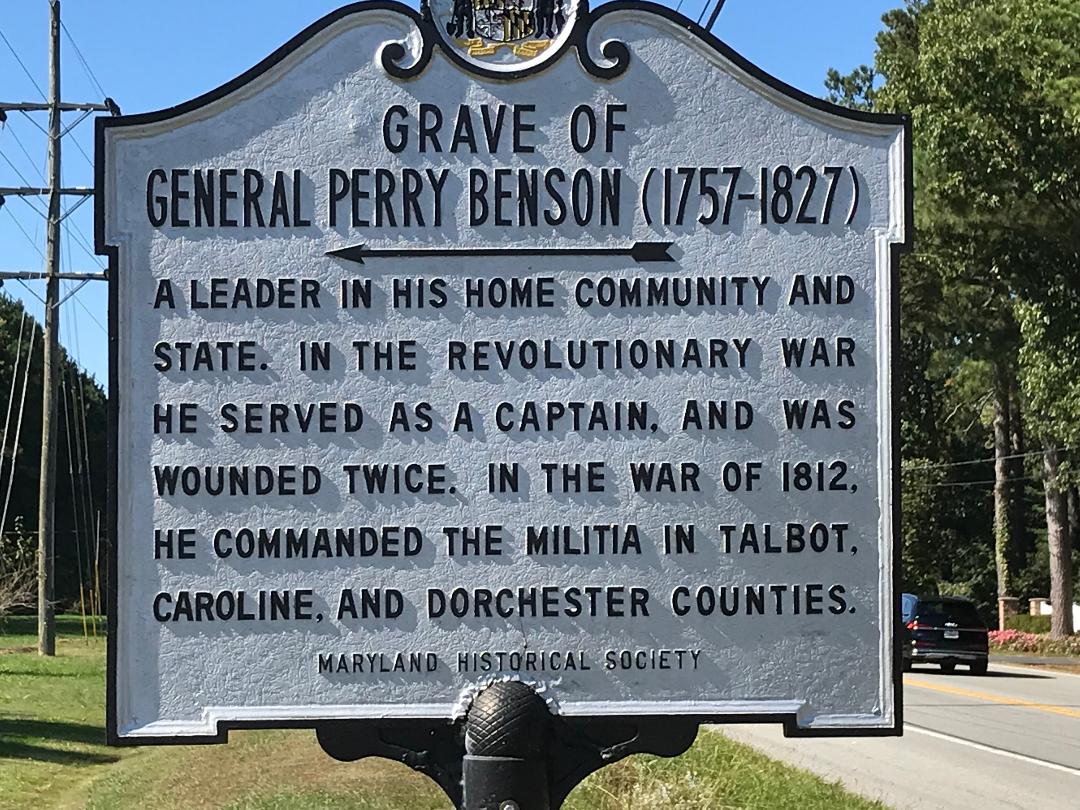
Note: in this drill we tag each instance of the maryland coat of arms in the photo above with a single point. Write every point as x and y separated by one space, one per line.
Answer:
503 30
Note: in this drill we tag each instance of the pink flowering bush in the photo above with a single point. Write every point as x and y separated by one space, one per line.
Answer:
1015 641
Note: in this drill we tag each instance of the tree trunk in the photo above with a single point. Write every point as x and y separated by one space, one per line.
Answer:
1057 535
1002 486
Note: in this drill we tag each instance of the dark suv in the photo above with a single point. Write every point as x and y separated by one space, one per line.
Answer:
944 630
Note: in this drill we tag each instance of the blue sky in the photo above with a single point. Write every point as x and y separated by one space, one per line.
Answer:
149 55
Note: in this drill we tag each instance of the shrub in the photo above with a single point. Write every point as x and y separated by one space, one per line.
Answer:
18 572
1015 641
1028 624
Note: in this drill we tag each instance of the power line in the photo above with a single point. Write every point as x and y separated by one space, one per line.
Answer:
30 290
29 118
82 152
64 390
29 75
22 148
81 408
29 239
21 176
74 140
85 463
93 317
712 18
65 258
949 464
18 429
11 393
930 485
82 496
80 237
29 201
82 60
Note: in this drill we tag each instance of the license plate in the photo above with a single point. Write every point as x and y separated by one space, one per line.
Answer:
952 634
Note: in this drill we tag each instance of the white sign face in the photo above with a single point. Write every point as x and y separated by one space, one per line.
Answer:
441 357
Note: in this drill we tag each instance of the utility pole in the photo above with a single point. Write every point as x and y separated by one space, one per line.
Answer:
50 372
47 480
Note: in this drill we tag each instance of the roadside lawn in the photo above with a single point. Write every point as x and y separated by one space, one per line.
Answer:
53 756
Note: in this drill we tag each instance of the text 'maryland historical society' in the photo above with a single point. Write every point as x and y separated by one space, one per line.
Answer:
502 341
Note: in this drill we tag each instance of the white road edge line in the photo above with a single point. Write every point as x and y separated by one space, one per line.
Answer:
1054 673
991 749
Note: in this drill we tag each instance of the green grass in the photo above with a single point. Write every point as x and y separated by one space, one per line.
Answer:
53 757
51 735
21 631
716 773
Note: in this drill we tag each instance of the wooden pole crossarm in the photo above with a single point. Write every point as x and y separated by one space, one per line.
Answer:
28 106
32 275
31 191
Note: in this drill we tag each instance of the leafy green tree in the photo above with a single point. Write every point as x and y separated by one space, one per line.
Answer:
854 90
1050 359
924 516
945 333
1000 133
994 90
999 122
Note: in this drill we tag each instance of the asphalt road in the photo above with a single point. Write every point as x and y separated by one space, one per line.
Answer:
1010 739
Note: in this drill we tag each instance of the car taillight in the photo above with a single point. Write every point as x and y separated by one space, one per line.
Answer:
912 625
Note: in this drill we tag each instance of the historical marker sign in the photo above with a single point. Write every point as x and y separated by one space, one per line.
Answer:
508 339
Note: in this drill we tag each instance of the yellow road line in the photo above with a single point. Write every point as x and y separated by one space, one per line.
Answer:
1004 701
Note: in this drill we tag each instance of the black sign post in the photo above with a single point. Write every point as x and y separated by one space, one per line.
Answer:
507 735
509 751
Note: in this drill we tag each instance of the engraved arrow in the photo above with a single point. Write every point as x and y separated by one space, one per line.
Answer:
640 252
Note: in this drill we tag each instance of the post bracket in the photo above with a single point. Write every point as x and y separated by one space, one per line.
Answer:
569 749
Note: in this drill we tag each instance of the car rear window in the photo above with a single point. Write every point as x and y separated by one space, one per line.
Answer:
908 603
938 613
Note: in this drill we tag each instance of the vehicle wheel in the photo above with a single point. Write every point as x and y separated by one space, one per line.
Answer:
979 667
948 667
